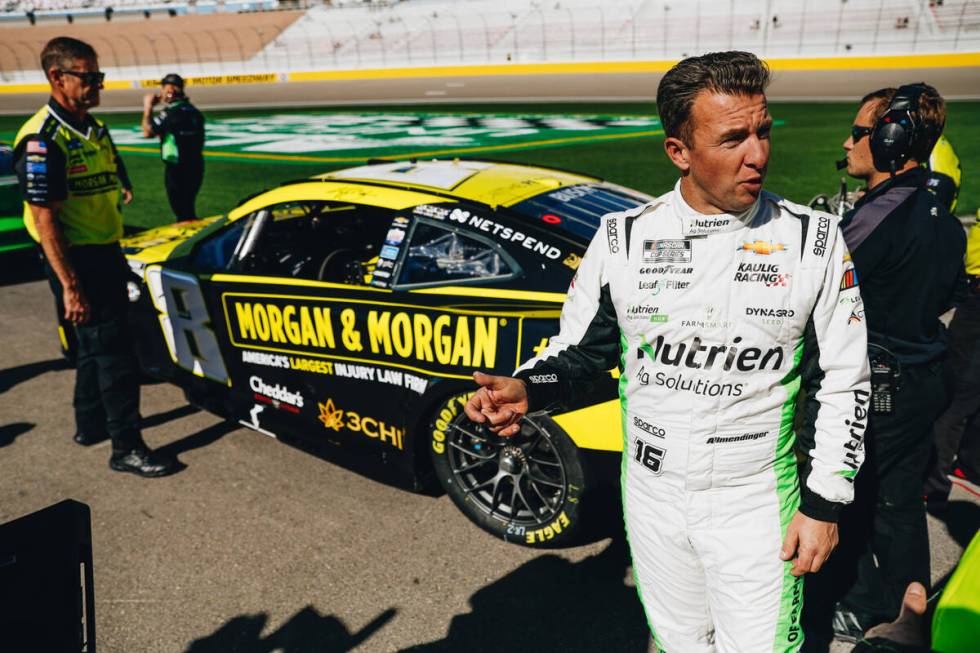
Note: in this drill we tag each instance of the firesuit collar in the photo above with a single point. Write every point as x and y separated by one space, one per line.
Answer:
700 224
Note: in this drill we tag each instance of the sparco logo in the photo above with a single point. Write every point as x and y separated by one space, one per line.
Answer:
689 355
543 378
276 392
770 312
612 235
649 428
823 232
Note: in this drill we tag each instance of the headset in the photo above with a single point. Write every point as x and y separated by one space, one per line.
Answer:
898 129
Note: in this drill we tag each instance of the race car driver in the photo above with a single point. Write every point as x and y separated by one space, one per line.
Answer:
716 300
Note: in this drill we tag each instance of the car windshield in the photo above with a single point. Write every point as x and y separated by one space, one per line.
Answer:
579 208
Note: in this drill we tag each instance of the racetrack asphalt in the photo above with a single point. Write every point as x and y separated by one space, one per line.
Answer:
257 547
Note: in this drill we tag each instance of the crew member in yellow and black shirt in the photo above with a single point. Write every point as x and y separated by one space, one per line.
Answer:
73 180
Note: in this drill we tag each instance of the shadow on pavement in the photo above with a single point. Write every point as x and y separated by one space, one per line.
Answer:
15 375
306 632
168 415
962 520
21 266
9 432
551 604
198 440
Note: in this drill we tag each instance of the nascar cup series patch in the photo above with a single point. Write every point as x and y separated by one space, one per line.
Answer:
667 251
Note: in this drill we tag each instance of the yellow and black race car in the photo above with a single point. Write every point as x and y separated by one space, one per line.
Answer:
346 313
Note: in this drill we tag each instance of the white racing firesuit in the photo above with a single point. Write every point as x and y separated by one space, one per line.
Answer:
715 321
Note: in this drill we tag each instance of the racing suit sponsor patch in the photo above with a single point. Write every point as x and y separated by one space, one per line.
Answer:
612 235
850 277
543 378
666 269
643 312
767 274
660 284
753 311
856 427
704 225
823 233
670 250
652 429
761 247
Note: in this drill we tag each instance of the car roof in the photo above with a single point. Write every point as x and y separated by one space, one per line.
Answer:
487 182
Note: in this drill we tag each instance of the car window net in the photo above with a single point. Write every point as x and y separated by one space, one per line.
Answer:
438 255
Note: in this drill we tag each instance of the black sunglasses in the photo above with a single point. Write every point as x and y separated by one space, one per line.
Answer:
88 78
857 133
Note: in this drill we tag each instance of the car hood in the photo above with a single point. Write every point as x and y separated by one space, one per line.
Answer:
158 244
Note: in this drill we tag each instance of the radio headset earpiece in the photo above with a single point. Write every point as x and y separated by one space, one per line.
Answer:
896 131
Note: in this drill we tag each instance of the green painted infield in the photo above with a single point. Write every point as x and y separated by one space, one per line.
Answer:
802 165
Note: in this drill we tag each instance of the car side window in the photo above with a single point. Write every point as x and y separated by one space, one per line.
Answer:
439 254
216 252
315 240
286 245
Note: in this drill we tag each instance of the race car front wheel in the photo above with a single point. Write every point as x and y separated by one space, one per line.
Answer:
526 489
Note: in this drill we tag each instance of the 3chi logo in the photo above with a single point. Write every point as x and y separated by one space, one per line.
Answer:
330 416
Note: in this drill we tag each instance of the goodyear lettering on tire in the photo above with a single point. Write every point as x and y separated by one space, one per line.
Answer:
447 413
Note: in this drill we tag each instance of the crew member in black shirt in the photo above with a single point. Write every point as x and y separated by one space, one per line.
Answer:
180 128
907 252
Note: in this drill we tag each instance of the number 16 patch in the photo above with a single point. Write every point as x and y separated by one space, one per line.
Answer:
649 455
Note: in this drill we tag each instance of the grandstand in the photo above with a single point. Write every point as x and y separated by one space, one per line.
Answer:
358 35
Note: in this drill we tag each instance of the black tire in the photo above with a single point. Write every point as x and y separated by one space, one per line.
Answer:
526 489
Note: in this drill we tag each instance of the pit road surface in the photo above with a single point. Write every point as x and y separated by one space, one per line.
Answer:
256 547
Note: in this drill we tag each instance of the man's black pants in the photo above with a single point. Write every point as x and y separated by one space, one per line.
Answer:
887 521
107 377
183 181
958 429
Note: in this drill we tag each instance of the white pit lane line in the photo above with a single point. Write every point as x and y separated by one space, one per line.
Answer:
431 93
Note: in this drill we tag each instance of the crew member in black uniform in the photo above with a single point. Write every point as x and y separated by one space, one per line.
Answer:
72 180
907 252
180 128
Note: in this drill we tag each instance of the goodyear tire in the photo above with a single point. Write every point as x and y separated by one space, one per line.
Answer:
525 489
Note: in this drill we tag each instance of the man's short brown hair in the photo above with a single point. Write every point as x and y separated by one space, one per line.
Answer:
727 73
62 52
932 117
